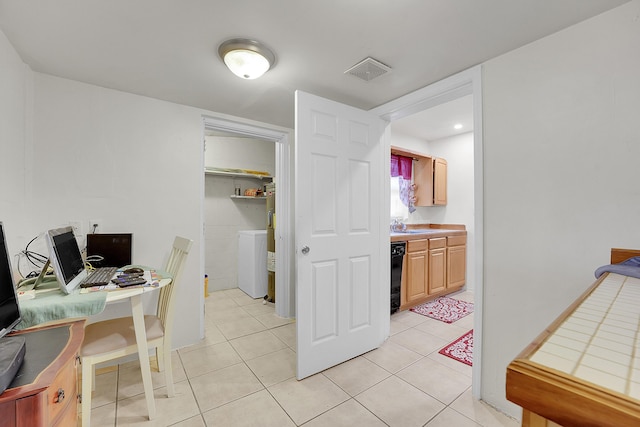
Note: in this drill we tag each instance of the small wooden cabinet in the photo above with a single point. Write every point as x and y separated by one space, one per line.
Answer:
437 281
456 261
439 182
45 391
416 266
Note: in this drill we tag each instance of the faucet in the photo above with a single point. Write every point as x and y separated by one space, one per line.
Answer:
398 225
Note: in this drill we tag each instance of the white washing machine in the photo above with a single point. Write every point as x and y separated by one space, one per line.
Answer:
252 262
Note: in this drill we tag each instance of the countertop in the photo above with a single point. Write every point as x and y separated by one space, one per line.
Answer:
426 231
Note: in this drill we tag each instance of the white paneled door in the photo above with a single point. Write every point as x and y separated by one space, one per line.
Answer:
339 177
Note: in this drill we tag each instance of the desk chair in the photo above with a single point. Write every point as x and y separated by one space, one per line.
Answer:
115 338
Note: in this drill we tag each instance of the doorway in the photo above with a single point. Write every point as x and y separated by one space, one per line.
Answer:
465 83
285 301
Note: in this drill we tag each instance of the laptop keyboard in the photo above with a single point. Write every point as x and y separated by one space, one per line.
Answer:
99 277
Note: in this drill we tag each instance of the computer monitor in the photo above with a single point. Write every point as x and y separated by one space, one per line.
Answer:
114 249
66 259
9 309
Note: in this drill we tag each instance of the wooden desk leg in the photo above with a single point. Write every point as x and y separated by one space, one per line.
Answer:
143 352
531 419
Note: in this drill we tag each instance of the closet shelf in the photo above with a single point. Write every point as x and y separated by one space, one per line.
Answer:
236 173
233 196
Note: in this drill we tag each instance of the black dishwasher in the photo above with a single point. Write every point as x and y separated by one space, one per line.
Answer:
397 255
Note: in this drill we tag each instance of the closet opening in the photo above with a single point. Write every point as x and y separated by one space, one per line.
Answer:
240 163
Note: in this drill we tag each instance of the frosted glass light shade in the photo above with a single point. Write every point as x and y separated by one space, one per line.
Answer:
246 63
246 59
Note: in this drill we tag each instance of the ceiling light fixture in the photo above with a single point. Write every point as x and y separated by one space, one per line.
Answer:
247 59
457 126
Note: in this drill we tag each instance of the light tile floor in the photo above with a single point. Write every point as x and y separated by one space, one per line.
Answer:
243 374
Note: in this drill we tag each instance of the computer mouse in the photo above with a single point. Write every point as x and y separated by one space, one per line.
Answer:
133 270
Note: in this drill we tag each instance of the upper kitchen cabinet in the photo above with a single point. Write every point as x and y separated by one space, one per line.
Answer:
439 181
429 177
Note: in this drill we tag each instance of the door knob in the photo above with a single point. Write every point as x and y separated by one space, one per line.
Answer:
305 250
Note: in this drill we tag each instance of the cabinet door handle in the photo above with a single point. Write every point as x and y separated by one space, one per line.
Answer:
59 396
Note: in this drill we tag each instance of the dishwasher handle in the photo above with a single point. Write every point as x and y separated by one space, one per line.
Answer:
398 249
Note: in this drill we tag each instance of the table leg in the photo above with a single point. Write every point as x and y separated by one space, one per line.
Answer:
143 352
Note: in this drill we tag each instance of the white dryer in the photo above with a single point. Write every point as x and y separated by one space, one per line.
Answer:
252 262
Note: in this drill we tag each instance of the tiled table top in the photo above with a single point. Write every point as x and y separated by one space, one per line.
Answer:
600 341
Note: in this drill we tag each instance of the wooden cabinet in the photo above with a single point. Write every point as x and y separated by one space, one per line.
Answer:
45 391
429 177
456 261
439 182
416 271
437 265
432 267
423 180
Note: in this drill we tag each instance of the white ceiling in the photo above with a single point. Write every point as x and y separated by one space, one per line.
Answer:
438 122
167 49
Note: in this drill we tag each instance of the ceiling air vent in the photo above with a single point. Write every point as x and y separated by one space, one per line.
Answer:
368 69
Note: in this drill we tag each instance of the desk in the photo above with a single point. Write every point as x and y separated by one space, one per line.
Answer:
134 295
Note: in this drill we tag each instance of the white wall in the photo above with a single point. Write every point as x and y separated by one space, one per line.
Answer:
561 155
14 84
223 216
132 161
240 153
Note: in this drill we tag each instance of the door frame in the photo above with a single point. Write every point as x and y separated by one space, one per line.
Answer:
285 303
468 82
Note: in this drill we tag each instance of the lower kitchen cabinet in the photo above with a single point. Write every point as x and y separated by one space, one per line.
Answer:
437 279
456 261
432 268
416 271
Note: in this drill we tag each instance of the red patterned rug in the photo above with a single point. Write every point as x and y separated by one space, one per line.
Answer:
445 309
461 349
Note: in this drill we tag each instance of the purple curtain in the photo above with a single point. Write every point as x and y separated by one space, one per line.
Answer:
401 166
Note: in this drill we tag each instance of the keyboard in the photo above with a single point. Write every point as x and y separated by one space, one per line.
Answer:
99 277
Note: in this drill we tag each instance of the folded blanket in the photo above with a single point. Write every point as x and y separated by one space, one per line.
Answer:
630 267
51 304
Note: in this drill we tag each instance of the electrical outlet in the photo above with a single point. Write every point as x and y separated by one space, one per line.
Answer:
77 228
95 226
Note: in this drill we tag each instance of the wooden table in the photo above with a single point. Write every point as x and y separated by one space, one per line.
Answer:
584 369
